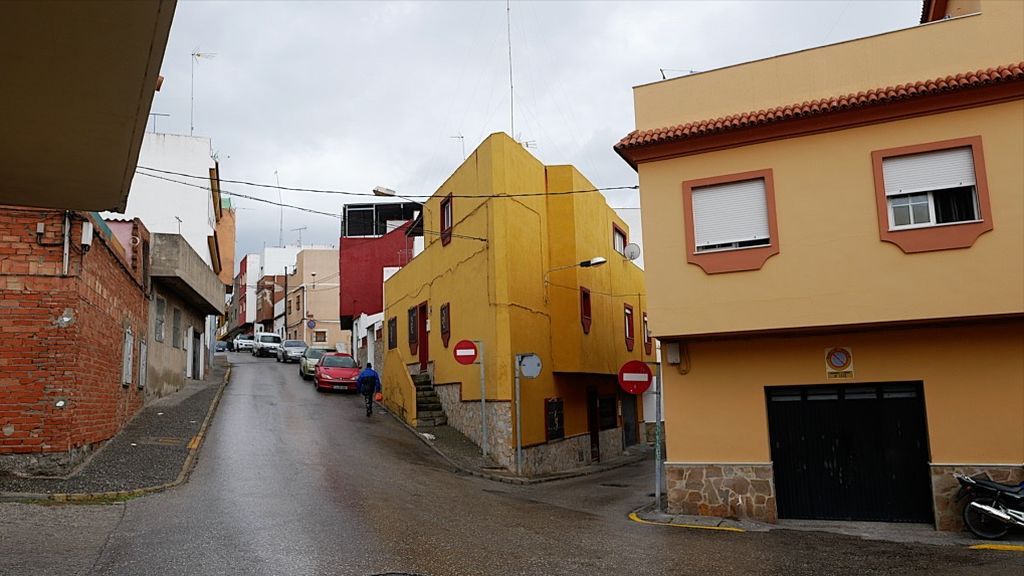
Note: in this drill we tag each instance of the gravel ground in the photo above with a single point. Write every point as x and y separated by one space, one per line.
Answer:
148 452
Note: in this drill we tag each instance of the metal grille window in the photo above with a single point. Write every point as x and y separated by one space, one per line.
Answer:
730 215
648 340
931 188
320 336
176 328
554 418
607 407
412 326
127 359
160 319
446 323
392 333
143 364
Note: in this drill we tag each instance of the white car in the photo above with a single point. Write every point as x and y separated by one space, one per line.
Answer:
243 342
265 344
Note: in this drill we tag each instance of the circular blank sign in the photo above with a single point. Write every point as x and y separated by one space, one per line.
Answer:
529 366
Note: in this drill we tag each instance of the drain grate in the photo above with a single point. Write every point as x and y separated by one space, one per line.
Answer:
614 485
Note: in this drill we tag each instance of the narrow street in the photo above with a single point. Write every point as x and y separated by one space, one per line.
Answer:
290 481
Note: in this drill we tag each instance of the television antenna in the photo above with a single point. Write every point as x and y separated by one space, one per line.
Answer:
299 230
462 139
196 55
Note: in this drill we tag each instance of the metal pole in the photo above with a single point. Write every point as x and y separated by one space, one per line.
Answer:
483 397
519 425
657 441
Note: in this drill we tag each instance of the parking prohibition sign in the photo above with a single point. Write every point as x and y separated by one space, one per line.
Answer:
465 352
635 377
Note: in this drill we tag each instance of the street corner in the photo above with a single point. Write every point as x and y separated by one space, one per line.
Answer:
651 517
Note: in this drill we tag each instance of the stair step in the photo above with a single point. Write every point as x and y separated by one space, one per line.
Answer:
429 414
431 422
425 393
419 378
428 407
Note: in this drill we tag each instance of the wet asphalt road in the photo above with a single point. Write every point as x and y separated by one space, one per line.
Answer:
290 481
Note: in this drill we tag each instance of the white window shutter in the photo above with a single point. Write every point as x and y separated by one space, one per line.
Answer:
935 170
129 350
731 212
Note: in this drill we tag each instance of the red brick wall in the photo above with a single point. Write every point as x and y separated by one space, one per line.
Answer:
44 359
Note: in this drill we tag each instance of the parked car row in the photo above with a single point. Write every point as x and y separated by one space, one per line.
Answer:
329 370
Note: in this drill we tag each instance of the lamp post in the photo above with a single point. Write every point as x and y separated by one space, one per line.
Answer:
591 263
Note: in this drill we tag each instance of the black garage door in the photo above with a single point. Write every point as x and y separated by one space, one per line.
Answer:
857 452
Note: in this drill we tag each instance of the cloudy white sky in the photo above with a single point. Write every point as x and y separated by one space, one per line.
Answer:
352 95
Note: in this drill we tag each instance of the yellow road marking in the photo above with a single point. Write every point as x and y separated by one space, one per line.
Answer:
1002 547
633 516
194 442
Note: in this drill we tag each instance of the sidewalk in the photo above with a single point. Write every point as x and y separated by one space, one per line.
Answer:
464 456
153 452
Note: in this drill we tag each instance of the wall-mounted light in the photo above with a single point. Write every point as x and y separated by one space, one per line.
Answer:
86 236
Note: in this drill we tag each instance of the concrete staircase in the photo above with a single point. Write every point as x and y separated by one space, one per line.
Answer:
429 411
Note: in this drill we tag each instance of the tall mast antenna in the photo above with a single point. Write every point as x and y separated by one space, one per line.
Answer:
511 91
196 55
280 207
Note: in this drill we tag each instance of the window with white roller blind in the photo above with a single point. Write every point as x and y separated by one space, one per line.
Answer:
730 215
931 188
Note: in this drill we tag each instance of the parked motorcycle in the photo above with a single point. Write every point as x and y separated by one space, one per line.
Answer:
992 508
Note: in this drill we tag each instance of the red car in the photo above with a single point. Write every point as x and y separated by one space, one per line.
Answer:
336 371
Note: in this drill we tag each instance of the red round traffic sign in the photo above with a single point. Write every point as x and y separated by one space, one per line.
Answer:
465 352
635 377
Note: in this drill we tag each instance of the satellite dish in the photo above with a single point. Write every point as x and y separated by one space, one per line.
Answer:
631 251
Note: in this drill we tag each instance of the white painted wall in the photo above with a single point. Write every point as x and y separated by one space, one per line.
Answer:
253 273
157 202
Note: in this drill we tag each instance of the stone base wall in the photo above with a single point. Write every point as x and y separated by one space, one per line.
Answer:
949 512
610 442
44 463
465 417
556 456
723 490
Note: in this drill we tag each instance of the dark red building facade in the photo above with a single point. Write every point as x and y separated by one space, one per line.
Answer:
361 263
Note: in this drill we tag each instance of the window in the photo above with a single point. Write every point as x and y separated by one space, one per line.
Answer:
585 318
176 328
730 221
320 336
127 353
619 240
648 341
931 188
446 323
447 220
627 316
412 327
932 196
160 320
554 418
392 333
289 306
143 364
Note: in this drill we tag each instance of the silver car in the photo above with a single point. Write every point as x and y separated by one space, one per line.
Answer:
290 351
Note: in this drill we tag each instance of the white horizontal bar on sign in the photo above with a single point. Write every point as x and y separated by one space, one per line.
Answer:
465 352
635 377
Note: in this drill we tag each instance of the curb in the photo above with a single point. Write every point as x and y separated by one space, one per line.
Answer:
636 518
626 461
999 547
194 446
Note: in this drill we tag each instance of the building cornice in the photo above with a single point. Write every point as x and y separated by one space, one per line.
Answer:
965 90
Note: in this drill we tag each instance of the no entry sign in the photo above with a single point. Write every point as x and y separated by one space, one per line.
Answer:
465 352
635 377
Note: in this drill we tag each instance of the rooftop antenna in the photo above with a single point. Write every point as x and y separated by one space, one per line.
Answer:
196 55
663 70
461 138
179 225
511 91
299 230
280 207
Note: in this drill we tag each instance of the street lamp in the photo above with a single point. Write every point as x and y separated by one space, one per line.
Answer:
591 263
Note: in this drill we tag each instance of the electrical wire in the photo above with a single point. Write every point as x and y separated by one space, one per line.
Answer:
370 194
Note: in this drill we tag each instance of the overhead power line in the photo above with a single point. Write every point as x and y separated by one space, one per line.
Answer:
370 194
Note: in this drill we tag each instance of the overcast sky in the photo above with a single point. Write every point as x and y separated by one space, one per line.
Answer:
352 95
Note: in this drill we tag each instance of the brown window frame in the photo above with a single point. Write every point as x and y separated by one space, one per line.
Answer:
648 341
586 310
616 230
950 236
736 259
446 323
628 325
392 333
447 223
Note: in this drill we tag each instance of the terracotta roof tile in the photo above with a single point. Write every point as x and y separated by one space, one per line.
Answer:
864 99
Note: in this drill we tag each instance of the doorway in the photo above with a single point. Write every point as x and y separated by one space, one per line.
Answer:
852 452
629 419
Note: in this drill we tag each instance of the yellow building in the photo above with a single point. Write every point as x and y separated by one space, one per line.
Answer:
835 263
505 271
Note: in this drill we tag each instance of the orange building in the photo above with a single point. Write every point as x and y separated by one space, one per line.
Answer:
835 268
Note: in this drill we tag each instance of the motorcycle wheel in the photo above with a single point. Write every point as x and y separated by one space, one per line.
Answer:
981 524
